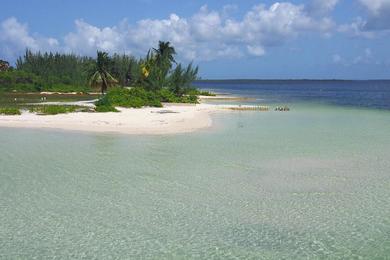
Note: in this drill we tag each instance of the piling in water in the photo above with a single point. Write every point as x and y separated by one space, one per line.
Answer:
259 108
251 108
282 109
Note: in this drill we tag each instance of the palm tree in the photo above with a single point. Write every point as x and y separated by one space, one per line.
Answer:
165 53
164 56
101 77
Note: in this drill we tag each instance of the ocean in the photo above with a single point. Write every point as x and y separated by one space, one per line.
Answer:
311 183
368 93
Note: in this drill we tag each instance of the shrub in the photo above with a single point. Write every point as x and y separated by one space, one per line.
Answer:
189 99
196 92
136 97
167 96
206 93
9 111
23 81
20 81
105 108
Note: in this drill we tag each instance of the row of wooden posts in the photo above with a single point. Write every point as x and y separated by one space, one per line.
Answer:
260 108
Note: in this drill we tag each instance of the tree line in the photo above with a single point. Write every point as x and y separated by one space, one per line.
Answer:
37 71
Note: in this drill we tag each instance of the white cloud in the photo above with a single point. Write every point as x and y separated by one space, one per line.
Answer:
366 57
321 7
147 33
356 29
256 50
15 38
377 22
206 35
379 14
88 38
375 6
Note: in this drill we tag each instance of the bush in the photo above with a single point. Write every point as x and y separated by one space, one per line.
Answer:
9 111
206 93
20 81
52 110
197 92
105 108
136 97
167 96
189 99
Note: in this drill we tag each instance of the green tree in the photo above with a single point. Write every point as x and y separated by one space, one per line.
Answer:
122 68
57 69
164 59
181 78
101 77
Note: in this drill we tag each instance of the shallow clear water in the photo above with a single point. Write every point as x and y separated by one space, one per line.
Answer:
310 183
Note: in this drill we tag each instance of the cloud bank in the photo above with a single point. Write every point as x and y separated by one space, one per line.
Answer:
206 35
375 24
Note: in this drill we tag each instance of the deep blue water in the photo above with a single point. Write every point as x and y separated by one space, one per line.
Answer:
370 94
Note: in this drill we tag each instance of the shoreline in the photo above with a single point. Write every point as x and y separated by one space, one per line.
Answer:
170 119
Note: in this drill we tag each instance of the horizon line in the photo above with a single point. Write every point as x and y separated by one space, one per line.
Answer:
284 79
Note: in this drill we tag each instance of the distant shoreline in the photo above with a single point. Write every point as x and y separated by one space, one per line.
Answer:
285 80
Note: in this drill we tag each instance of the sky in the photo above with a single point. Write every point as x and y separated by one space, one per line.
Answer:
313 39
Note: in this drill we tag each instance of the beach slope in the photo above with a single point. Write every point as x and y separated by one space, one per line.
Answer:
171 119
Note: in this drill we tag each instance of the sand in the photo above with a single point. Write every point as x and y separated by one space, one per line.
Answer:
171 119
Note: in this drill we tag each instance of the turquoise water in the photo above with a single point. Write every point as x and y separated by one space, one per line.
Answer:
311 183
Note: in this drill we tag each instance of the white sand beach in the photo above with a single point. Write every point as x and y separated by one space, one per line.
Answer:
170 119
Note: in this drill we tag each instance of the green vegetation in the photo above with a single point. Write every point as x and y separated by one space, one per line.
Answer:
56 69
122 79
168 96
138 97
52 109
68 72
20 81
197 92
158 72
154 82
135 97
23 81
206 93
9 111
101 77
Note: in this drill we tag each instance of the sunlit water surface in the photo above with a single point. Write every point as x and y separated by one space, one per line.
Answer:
310 183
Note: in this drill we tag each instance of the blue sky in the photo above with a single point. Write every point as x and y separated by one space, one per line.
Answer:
347 39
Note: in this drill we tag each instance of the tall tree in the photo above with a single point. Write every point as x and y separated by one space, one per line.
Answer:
101 77
164 56
121 67
181 78
56 68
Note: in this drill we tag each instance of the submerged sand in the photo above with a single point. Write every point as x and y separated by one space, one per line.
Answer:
170 119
